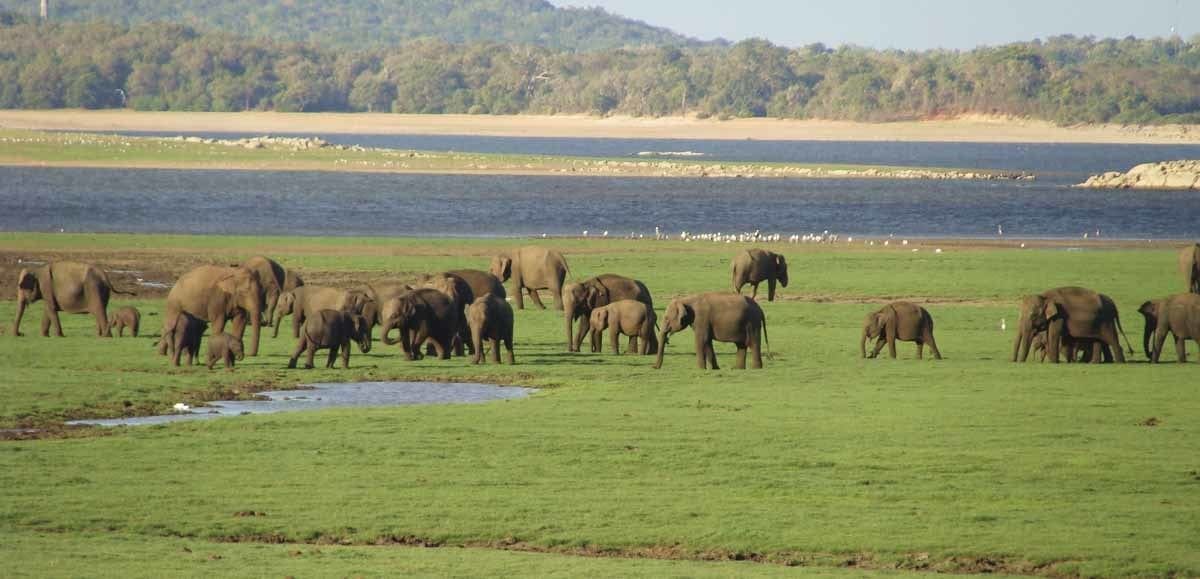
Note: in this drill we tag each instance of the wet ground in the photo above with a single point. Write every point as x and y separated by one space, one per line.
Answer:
325 396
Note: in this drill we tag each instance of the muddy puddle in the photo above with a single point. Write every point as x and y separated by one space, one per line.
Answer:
324 396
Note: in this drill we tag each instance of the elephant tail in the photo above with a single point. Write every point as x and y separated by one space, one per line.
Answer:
1128 346
767 339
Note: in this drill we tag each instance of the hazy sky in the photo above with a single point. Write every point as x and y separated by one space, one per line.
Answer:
909 24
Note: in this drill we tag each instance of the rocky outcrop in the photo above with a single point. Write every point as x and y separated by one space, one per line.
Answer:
266 142
1168 175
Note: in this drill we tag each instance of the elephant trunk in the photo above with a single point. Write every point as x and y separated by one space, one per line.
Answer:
862 344
1149 331
21 303
597 337
386 329
277 319
569 319
256 328
663 336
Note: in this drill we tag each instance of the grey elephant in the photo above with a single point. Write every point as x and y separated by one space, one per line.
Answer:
1149 311
461 294
1180 316
306 301
125 317
1189 266
900 320
481 282
755 266
188 333
275 280
580 298
719 316
532 269
224 347
491 318
1068 312
334 330
420 315
1081 350
625 317
216 295
65 286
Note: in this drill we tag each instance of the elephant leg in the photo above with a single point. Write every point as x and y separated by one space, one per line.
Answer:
494 344
614 338
932 344
1181 349
701 351
442 349
711 354
309 355
754 290
508 347
51 322
518 292
740 361
297 322
229 362
879 343
1108 334
537 298
1160 338
632 347
585 326
239 326
300 347
756 351
920 350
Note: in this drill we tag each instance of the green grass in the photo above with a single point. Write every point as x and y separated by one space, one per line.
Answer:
968 464
23 147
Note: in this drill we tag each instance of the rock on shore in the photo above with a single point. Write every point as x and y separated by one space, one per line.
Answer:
1169 175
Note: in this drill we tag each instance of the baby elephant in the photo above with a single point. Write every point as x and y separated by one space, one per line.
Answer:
227 347
491 318
126 317
188 332
333 330
629 317
899 321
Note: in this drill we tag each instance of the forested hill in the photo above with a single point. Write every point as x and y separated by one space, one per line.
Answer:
361 23
173 67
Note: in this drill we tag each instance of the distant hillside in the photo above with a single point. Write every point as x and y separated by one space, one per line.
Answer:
361 23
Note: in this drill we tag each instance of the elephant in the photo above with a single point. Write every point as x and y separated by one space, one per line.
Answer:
65 286
1084 350
420 315
275 280
481 282
126 317
306 301
901 320
531 269
1189 266
216 294
1149 311
335 330
188 332
720 316
380 294
1068 313
491 318
579 299
461 294
1180 315
755 266
629 317
224 346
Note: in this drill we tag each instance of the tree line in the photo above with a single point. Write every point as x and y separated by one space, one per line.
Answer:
162 66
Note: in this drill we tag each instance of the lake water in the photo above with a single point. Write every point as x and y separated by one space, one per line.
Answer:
325 396
346 204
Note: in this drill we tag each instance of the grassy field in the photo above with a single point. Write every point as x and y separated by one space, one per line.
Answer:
820 464
53 149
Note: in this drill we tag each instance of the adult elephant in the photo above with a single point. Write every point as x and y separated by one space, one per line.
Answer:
461 293
579 299
65 286
719 316
1189 266
1180 315
755 266
380 293
531 269
420 315
1071 313
481 282
216 294
275 280
307 301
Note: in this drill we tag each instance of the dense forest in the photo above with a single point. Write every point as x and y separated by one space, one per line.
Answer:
359 24
175 67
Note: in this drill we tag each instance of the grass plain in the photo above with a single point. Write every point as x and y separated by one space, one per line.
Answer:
820 464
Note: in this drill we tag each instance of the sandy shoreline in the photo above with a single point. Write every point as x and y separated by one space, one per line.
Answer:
967 129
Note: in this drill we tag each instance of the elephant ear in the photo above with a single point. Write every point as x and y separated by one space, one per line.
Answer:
502 267
1147 308
1050 310
592 297
26 280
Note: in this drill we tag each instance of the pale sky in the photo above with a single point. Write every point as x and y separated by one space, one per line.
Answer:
909 24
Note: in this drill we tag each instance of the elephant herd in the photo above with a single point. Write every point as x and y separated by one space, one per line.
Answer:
468 310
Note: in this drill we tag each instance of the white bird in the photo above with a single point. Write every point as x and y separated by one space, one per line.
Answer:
605 233
938 250
999 230
585 232
181 407
1003 325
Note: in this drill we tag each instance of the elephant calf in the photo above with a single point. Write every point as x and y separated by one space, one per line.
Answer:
625 317
334 330
227 347
899 321
719 316
184 337
126 317
1179 315
491 318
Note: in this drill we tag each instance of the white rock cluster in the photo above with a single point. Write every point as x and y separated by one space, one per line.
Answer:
1183 174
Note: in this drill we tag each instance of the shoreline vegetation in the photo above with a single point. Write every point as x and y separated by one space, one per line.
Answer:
965 128
63 149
